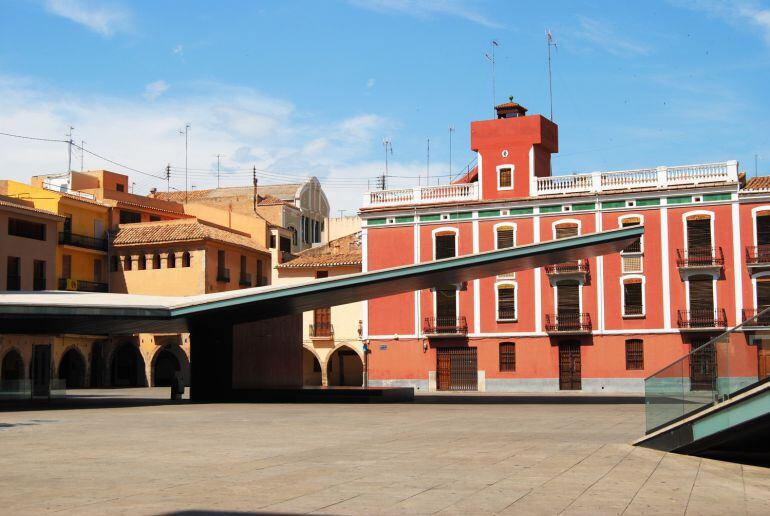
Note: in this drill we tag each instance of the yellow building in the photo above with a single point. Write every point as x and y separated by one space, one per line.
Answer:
333 349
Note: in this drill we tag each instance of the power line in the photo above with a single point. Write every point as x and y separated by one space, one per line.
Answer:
33 138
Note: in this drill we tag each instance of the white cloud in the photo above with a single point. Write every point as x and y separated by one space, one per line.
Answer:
98 16
155 89
178 50
741 13
603 36
428 8
370 84
246 126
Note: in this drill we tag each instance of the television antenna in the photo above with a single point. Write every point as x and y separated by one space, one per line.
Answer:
551 43
491 57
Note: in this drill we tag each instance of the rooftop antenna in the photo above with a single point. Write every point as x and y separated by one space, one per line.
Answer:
168 177
491 57
428 164
551 43
218 157
186 130
254 179
388 145
82 153
451 130
133 186
69 150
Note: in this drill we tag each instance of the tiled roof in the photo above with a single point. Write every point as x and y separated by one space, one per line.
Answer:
758 183
175 231
284 192
12 202
339 252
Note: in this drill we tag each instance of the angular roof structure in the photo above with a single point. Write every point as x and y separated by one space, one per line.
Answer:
343 251
177 231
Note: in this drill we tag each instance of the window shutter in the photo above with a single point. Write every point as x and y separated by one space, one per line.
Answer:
445 246
506 302
636 247
568 298
698 232
632 294
631 263
701 294
566 230
763 228
763 292
504 237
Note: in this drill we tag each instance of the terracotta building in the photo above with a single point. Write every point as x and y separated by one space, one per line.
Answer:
601 324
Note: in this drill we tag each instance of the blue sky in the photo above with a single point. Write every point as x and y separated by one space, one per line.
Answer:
313 87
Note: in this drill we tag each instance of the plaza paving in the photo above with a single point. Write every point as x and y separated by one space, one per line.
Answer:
357 459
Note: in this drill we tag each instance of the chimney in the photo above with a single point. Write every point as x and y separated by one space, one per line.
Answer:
153 191
510 109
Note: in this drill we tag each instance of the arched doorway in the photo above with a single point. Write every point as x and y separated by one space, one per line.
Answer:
166 366
72 369
12 367
127 367
345 367
311 368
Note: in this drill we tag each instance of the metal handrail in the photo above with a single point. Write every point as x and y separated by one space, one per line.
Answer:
223 274
700 257
701 318
568 322
443 325
577 266
69 238
321 330
758 254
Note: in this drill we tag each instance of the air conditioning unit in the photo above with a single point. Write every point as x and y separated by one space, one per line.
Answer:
72 284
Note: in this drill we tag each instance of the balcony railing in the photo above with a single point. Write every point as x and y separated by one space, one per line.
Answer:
422 195
658 178
13 282
38 283
568 323
506 314
443 325
223 275
81 285
700 257
261 281
245 279
66 190
753 317
702 319
323 329
574 267
67 238
758 255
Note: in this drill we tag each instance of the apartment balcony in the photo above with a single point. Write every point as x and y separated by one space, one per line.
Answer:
261 281
86 242
702 320
758 256
652 178
245 279
749 315
442 326
322 330
422 195
223 275
81 285
703 258
13 282
38 283
568 323
577 269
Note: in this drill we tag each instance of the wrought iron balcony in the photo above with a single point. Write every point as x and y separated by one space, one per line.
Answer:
223 275
245 279
38 283
81 285
573 323
87 242
700 258
702 320
749 314
261 281
445 326
13 282
577 267
322 330
758 256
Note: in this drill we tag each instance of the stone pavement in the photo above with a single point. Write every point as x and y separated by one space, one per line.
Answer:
358 459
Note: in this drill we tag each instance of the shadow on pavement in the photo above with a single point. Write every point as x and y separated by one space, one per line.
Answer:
528 399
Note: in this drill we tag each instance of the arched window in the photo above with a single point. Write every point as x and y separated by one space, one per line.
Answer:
171 260
156 261
142 262
634 354
566 229
505 236
628 221
506 302
507 357
186 259
127 263
444 243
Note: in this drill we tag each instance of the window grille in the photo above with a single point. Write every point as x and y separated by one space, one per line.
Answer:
506 302
506 178
505 237
507 356
634 354
632 294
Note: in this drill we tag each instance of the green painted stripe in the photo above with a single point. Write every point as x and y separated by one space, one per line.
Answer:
522 211
648 202
375 222
680 200
405 219
489 213
550 209
584 206
430 218
717 197
613 204
461 215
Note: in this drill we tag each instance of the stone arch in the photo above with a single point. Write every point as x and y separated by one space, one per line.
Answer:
311 368
127 366
72 368
166 362
12 366
345 367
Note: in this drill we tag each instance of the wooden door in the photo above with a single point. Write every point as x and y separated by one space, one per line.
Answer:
456 369
568 306
703 367
41 370
322 322
569 366
699 232
701 301
763 358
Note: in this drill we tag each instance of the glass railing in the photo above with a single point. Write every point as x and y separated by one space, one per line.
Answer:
25 390
711 373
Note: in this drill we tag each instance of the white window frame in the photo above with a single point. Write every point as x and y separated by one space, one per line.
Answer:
566 221
434 291
685 216
754 278
641 223
623 296
445 229
714 278
754 212
499 225
555 288
499 168
515 300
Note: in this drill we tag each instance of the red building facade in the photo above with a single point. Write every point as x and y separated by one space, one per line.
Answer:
601 324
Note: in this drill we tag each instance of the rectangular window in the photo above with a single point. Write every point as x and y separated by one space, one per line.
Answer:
120 187
632 263
506 302
445 246
632 297
13 273
286 244
220 260
26 229
507 357
634 354
505 178
699 232
636 247
130 217
66 266
154 218
244 267
566 230
260 280
98 268
38 278
272 241
505 237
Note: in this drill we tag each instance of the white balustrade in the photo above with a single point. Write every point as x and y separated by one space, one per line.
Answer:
423 195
